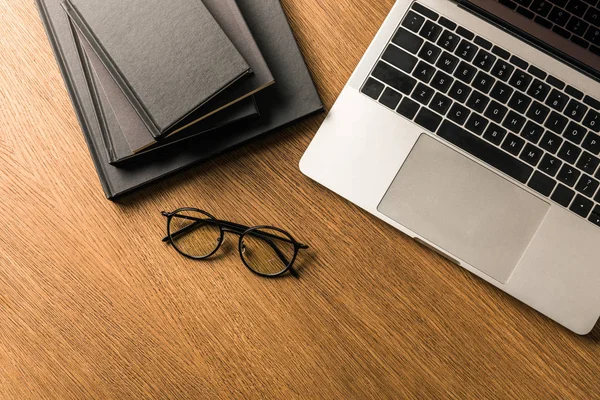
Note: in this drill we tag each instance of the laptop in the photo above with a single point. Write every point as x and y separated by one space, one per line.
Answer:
473 126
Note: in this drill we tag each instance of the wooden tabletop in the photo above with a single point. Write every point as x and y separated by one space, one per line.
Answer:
93 305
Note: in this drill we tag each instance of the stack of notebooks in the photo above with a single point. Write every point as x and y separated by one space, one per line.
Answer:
159 85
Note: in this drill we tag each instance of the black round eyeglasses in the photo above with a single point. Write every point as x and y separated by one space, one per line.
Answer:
265 250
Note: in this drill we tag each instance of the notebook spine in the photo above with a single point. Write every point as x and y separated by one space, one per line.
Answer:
75 98
108 143
87 33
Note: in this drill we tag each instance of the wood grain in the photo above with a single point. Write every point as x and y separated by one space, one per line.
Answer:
93 305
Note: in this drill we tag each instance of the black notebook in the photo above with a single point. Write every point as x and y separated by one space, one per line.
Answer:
292 97
168 57
138 137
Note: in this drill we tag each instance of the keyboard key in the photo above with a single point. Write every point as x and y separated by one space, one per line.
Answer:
373 88
476 124
535 71
538 112
569 152
459 91
519 62
592 16
500 52
413 21
441 81
494 134
577 26
440 103
520 80
541 7
557 100
501 92
502 70
557 83
593 35
390 98
550 142
577 7
581 206
592 121
578 94
483 82
539 90
531 154
428 119
408 108
483 43
559 16
430 53
513 144
579 41
595 216
563 195
430 31
496 111
465 33
590 101
394 78
568 175
509 3
519 102
587 186
575 133
399 58
465 72
484 151
556 123
484 60
532 132
592 143
446 23
550 164
424 72
562 32
478 101
425 11
542 184
422 94
466 50
447 62
407 40
514 122
576 110
448 40
588 163
458 113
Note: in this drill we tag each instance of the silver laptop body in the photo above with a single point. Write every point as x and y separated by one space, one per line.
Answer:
480 145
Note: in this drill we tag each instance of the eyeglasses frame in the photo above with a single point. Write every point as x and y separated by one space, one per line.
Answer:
241 231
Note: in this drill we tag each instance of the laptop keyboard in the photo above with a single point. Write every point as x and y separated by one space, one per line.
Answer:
494 105
576 20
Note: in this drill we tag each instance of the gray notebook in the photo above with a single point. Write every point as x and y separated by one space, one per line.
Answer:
138 137
168 57
130 130
292 97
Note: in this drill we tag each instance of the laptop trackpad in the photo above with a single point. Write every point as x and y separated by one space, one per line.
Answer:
465 209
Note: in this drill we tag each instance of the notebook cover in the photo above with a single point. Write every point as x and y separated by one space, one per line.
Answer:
139 138
294 96
168 57
120 124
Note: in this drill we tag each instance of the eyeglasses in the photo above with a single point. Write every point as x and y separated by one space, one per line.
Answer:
265 250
